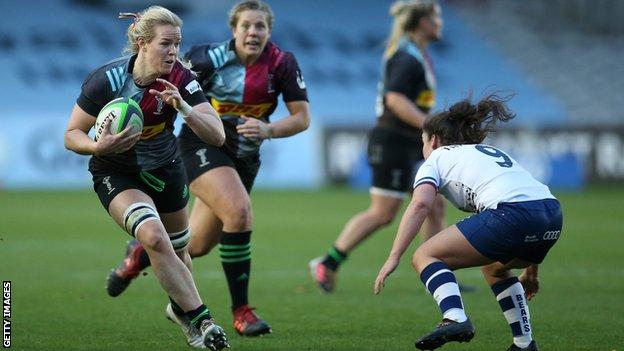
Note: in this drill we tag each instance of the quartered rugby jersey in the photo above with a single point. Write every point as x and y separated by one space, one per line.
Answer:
236 90
157 146
409 72
475 177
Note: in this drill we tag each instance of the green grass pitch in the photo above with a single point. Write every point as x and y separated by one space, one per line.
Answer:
58 247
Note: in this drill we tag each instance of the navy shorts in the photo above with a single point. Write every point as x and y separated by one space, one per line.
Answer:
525 230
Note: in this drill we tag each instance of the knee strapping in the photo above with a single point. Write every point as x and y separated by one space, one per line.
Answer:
180 240
137 214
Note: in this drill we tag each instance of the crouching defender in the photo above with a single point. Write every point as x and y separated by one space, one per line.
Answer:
139 178
516 223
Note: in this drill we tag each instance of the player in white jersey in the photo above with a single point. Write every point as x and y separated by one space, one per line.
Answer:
516 222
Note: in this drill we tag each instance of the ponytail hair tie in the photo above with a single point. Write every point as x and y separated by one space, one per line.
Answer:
136 16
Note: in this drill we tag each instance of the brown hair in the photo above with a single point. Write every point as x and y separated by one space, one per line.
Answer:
250 5
407 15
468 123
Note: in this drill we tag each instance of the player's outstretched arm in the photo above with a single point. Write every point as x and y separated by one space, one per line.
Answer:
413 218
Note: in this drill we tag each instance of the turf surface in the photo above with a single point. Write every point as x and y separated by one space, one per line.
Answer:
58 247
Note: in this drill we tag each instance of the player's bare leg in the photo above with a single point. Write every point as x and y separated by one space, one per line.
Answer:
223 195
381 212
434 223
135 212
435 260
206 228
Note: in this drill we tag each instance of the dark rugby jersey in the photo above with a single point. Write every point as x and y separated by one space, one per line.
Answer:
408 72
157 146
234 89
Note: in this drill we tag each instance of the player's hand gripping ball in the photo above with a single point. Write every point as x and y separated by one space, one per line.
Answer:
122 112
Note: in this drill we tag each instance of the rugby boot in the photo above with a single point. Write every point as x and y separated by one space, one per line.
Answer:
120 277
247 322
324 276
193 336
447 331
213 335
532 347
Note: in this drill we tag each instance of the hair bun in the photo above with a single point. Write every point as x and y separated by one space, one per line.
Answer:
461 110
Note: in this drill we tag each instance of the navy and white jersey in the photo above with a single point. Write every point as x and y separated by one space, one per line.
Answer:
408 71
475 177
157 145
234 89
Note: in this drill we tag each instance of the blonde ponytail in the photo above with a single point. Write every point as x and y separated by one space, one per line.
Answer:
407 14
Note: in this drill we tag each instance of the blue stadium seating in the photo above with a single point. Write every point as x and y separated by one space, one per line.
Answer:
338 44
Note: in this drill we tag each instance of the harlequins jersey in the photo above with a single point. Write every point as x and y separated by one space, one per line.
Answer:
157 146
236 90
409 72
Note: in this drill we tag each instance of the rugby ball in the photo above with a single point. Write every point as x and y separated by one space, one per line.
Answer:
122 112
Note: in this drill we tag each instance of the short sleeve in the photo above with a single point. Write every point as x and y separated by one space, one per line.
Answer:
428 173
191 91
290 80
95 93
403 73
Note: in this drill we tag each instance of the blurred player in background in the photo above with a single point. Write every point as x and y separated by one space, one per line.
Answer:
242 77
406 94
516 223
140 178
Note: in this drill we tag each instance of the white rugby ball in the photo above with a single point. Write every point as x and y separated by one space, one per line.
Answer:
122 112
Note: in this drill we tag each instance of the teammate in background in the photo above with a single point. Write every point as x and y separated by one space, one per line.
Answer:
406 94
139 178
242 77
516 223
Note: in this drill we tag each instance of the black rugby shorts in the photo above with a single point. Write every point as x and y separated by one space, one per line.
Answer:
200 157
393 158
165 185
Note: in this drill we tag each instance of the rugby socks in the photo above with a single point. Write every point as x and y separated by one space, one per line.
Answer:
334 258
235 251
441 283
176 308
144 260
198 315
510 296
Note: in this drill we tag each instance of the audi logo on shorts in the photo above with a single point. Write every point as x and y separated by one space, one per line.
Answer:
552 235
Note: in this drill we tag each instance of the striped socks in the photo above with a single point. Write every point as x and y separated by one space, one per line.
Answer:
510 296
198 315
235 252
441 283
334 258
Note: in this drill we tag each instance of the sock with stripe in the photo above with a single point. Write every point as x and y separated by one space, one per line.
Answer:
176 308
441 283
198 315
334 258
235 251
510 296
